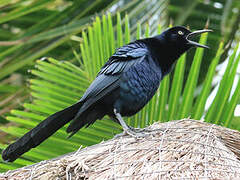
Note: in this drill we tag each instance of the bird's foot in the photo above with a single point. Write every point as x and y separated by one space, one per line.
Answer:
139 130
134 132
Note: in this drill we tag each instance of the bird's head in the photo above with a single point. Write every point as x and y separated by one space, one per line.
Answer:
180 37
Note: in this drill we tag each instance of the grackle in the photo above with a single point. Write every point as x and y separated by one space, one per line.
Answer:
124 85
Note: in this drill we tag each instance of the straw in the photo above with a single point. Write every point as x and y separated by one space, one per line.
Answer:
183 149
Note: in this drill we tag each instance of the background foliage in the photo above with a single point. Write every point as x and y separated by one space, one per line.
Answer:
32 29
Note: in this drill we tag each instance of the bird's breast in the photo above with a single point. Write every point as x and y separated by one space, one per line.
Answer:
137 87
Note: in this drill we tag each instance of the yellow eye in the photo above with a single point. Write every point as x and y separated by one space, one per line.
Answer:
180 32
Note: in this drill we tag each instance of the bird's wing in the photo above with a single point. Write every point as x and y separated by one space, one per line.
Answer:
108 78
124 57
106 81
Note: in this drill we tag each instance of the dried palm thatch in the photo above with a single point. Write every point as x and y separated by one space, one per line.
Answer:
184 149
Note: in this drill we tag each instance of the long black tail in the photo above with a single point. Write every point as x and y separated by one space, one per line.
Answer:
41 132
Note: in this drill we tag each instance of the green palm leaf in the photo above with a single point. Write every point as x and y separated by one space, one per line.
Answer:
58 84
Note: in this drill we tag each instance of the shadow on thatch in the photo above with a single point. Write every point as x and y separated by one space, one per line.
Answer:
173 150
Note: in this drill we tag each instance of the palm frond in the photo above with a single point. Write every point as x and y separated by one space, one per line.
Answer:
58 84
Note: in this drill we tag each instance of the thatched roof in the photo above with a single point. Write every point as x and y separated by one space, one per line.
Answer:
174 150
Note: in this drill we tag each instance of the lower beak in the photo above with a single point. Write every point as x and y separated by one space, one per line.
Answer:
194 34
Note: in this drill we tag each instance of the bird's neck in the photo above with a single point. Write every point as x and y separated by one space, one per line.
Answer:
163 54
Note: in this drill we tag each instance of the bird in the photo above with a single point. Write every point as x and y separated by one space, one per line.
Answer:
123 86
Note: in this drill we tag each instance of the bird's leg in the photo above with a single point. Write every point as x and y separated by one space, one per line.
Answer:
128 130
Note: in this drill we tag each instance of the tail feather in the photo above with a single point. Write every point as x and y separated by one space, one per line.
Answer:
87 118
41 132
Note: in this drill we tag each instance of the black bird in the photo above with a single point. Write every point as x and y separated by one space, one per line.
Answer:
124 85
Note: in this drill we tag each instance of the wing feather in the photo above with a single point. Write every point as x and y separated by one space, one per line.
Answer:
109 77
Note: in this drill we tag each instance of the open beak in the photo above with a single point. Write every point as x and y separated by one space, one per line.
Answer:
194 34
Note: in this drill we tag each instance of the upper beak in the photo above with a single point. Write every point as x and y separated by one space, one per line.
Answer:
194 34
